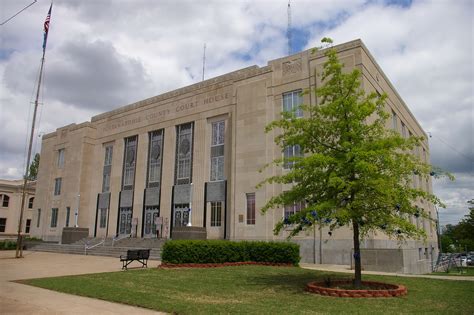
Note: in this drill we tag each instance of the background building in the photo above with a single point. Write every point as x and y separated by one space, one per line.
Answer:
192 157
11 192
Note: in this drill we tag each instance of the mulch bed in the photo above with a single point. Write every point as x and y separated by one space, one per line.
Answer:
226 264
378 289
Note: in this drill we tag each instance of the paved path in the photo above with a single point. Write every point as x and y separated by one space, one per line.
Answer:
346 269
18 298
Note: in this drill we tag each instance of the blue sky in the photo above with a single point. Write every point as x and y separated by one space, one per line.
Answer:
104 54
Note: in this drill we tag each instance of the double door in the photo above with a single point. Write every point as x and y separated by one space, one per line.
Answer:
149 228
181 215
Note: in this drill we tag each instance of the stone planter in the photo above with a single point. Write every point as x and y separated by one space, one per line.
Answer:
379 289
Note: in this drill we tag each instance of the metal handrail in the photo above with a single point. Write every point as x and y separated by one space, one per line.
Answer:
119 237
86 247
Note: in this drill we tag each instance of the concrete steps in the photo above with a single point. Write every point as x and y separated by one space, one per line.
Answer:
105 249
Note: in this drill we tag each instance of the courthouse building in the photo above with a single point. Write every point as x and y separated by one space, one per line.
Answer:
192 157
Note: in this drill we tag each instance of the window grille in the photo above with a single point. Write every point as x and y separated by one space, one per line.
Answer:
394 121
251 208
107 170
184 154
216 213
68 214
129 163
57 186
54 217
38 219
155 152
289 153
3 224
217 151
292 102
61 158
292 209
4 200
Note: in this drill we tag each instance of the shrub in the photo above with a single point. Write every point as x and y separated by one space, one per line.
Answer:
219 251
7 245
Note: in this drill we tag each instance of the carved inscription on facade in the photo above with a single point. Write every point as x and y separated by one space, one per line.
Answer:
162 113
292 67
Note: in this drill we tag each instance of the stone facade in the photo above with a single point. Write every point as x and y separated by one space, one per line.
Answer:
201 148
11 192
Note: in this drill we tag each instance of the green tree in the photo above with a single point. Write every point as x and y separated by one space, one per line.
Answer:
460 235
34 166
354 171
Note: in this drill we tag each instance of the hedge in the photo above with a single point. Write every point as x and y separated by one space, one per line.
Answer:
220 251
7 245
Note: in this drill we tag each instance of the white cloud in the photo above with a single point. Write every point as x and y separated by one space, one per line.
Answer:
103 54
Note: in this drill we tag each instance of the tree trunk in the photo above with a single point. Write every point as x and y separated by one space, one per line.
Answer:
357 265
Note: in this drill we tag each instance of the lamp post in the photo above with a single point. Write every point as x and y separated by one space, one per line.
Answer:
77 210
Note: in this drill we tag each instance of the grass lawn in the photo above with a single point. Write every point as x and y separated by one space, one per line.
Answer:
257 290
466 272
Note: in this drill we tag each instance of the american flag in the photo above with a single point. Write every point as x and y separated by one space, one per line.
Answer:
46 27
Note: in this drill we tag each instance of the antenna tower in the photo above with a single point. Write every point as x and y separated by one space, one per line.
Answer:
288 30
203 61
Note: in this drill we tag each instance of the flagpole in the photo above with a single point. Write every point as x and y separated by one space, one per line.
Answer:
19 241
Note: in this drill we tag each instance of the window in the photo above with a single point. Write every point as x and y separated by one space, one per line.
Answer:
27 226
394 121
60 158
292 209
38 220
3 224
107 168
54 217
217 151
251 208
216 213
57 186
430 222
30 202
404 131
129 163
420 253
68 214
289 153
155 151
103 217
184 154
4 200
292 102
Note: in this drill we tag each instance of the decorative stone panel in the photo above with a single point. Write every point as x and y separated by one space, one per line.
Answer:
182 194
104 200
152 196
126 198
215 191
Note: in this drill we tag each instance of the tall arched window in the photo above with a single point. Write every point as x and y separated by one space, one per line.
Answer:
4 200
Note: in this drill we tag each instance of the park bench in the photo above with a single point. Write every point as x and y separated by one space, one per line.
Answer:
140 255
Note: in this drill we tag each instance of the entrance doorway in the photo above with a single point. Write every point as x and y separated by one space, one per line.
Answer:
181 215
125 220
151 213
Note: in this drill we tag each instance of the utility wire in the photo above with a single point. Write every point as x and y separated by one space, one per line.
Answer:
452 148
4 22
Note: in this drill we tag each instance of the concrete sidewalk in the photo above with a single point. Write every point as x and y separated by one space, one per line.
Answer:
346 269
18 298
